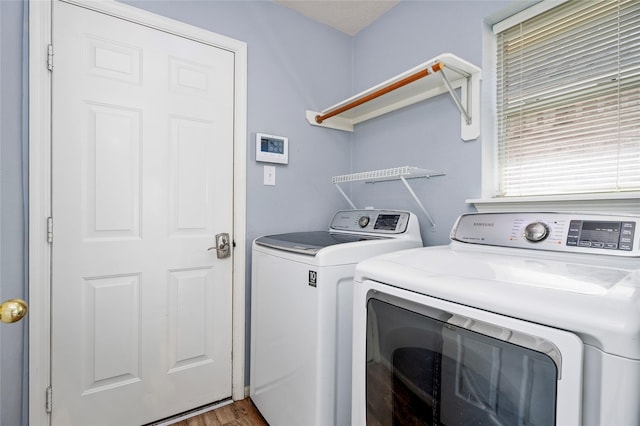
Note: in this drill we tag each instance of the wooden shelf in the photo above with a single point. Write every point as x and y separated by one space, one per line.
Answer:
439 75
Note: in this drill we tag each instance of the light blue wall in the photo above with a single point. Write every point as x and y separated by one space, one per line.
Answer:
12 224
293 64
427 134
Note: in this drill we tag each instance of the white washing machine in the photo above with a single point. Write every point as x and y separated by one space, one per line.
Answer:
525 318
301 298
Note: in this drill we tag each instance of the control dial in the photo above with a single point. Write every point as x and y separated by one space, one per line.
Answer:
536 232
363 221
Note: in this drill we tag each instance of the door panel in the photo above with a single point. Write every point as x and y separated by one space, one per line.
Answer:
142 176
112 172
111 342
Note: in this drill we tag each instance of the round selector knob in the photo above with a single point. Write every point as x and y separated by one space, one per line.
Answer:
363 221
536 232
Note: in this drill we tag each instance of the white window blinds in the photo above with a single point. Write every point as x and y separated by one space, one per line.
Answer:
568 92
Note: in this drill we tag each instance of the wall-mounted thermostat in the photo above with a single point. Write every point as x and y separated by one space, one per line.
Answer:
272 149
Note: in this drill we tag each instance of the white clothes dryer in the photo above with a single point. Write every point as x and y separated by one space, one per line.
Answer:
525 318
301 299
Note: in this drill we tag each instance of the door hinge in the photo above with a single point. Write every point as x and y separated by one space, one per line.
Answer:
50 230
49 403
50 57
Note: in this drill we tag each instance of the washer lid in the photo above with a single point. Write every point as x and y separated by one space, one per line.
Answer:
309 243
596 297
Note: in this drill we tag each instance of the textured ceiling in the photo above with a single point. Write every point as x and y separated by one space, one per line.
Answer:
348 16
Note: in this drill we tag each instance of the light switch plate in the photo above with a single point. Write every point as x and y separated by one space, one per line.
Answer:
270 175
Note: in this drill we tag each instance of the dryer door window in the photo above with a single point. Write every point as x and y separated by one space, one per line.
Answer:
423 371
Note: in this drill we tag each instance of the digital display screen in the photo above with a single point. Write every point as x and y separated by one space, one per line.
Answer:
604 232
387 222
271 145
601 235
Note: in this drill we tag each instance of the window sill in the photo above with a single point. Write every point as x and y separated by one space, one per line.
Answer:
604 203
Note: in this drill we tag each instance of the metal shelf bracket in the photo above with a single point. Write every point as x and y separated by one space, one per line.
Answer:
464 110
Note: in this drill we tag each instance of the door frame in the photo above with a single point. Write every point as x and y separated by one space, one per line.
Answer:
40 85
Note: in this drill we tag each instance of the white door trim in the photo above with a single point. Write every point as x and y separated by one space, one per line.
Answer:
40 187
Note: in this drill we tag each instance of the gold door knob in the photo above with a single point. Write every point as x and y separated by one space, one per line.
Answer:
13 310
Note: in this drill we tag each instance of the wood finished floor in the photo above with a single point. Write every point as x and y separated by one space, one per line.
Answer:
240 413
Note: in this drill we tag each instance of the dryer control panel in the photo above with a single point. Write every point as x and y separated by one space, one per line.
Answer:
601 234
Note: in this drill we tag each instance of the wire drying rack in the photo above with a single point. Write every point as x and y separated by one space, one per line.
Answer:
397 173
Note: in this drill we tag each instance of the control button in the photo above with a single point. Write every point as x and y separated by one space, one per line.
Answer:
363 221
575 226
612 246
572 242
627 235
536 232
584 243
597 245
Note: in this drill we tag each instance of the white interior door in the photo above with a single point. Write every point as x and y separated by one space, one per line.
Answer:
142 180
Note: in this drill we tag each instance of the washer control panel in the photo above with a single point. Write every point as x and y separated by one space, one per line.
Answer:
603 234
371 221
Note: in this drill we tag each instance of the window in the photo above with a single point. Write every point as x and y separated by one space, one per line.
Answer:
568 100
